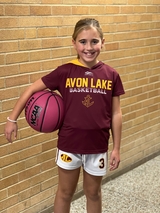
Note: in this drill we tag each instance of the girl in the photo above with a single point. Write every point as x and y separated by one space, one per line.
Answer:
91 92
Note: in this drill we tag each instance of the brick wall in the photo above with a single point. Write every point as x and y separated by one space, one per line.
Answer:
35 38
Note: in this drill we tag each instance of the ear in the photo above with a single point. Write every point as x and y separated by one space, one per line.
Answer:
74 43
103 41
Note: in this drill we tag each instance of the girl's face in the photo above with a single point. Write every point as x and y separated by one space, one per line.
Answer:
88 45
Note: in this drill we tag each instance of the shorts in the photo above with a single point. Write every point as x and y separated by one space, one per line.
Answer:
94 164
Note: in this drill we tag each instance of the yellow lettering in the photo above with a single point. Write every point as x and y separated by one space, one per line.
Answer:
98 83
85 82
73 80
92 86
104 84
68 83
79 82
109 85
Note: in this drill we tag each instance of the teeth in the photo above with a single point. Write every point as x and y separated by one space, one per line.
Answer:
89 53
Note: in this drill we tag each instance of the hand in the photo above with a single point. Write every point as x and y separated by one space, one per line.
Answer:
10 131
114 160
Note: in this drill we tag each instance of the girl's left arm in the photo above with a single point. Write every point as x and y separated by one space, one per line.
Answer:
116 128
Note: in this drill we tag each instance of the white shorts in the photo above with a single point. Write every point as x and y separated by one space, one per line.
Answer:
94 164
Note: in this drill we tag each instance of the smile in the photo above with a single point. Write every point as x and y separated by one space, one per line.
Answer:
89 53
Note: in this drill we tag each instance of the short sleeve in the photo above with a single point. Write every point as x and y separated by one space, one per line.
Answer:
51 80
118 88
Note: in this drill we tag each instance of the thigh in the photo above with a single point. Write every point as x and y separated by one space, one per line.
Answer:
91 183
68 180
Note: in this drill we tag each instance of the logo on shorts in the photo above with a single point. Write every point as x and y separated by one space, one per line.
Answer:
66 158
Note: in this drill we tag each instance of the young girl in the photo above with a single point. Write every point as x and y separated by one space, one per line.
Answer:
90 91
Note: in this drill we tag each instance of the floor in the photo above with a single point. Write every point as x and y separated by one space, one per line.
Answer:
137 191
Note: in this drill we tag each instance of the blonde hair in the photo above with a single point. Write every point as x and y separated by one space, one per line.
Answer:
85 24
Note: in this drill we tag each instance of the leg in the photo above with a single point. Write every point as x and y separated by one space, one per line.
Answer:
92 190
66 187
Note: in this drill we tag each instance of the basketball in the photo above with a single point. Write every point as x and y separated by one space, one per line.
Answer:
44 111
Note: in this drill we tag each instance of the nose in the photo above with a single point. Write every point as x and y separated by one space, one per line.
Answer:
89 46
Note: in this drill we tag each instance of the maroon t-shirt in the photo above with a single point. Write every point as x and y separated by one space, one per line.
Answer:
87 95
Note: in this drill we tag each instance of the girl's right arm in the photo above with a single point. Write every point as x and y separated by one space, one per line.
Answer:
11 127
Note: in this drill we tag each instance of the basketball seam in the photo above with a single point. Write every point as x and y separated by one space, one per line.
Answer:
58 120
41 127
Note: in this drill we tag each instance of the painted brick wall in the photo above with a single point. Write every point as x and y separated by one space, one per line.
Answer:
35 37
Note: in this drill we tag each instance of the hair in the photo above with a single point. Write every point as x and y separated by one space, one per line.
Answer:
85 24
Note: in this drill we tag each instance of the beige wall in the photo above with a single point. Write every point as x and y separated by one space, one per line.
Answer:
35 37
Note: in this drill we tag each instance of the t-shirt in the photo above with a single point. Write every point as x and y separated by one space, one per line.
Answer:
87 95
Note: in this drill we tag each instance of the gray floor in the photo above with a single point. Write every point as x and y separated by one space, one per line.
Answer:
137 191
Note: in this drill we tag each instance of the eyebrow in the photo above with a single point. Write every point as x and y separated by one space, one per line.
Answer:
83 39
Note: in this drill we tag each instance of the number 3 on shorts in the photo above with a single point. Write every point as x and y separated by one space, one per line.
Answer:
101 163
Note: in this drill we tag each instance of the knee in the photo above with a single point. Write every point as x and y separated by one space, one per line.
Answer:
93 195
65 195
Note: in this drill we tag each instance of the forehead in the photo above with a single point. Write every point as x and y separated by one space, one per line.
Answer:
88 33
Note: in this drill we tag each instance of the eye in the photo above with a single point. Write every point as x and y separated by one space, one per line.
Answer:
83 41
95 41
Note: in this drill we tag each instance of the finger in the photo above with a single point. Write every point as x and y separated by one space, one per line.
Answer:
114 164
15 135
8 137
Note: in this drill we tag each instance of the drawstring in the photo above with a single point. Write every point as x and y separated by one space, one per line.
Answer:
83 160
